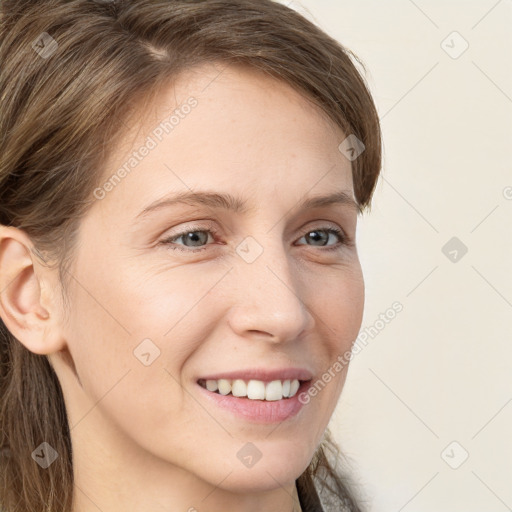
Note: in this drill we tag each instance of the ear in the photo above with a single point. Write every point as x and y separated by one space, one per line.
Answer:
27 304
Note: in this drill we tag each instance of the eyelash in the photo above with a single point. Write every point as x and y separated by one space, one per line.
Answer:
344 239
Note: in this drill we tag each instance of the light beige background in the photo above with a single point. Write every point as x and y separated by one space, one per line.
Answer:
440 371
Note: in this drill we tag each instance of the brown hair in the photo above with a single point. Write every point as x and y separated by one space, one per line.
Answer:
106 61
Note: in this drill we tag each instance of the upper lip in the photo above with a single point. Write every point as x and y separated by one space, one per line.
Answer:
263 374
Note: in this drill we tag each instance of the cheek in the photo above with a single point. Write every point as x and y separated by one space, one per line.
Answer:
340 308
145 325
339 312
121 309
129 354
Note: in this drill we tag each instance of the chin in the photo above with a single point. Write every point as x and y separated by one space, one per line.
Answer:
262 480
278 468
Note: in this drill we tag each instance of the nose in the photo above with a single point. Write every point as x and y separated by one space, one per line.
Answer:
267 300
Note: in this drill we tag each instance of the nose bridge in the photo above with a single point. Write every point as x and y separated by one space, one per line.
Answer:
269 295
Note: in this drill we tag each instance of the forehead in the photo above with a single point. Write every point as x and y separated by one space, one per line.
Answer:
230 127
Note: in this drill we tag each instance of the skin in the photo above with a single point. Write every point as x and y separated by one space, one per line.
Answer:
143 437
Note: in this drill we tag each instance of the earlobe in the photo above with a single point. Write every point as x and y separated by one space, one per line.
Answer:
22 305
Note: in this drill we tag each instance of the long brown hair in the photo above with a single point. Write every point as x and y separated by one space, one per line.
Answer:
71 72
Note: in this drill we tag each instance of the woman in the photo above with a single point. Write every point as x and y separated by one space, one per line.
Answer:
179 190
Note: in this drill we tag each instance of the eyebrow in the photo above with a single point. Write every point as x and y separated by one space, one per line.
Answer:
237 205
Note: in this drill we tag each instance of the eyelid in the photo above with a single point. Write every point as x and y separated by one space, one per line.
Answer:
204 225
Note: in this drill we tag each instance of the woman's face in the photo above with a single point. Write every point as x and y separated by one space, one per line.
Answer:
265 287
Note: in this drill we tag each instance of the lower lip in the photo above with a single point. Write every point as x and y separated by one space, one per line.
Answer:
258 411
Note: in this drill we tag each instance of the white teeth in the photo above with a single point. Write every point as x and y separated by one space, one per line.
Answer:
294 387
286 388
254 389
274 390
211 385
239 388
224 386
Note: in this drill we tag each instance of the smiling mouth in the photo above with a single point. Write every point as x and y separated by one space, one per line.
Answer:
253 389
